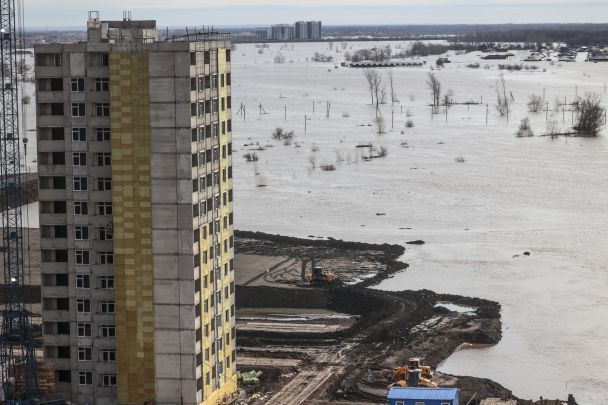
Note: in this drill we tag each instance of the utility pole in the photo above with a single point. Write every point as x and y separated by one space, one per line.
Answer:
487 112
393 119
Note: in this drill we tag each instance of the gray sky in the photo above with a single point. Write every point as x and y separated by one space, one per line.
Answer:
73 13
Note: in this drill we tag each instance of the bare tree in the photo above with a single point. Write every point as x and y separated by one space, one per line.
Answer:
590 114
391 82
312 159
448 98
280 134
371 75
525 128
380 125
435 86
279 58
379 91
503 103
535 103
552 128
382 94
339 156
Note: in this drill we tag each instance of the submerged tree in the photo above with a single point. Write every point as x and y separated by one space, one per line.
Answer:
371 75
391 82
535 103
590 114
279 58
448 98
552 128
434 86
525 128
380 125
379 92
503 103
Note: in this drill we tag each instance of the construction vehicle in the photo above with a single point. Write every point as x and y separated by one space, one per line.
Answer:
414 363
418 363
319 277
414 379
417 373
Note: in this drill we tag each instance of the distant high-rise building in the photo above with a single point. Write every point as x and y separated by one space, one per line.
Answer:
314 30
135 165
282 32
301 28
263 34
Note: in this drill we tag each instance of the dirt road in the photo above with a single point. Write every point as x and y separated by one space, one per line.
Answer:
304 386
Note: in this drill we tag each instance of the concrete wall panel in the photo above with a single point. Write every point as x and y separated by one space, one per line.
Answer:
165 241
166 292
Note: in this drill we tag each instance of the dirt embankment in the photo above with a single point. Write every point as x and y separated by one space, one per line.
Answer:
358 263
391 328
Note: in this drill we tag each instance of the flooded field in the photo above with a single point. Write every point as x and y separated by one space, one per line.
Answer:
477 195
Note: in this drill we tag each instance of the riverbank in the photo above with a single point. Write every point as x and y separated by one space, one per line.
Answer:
389 327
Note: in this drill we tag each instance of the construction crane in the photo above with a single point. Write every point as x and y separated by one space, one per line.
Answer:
18 370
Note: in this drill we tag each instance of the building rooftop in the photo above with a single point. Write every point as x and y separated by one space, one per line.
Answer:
440 394
117 31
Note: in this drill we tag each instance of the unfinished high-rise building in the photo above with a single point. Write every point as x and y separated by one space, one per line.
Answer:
135 166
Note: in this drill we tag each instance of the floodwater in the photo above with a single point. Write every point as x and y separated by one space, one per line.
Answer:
476 194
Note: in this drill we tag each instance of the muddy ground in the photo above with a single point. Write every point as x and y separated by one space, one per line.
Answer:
349 365
353 263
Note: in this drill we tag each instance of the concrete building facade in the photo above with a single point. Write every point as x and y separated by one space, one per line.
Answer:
135 166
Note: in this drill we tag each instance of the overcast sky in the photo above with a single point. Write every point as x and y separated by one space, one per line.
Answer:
73 13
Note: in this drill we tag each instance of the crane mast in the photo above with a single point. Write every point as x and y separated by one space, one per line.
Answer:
17 348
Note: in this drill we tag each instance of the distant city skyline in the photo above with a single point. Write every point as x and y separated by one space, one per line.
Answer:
72 13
